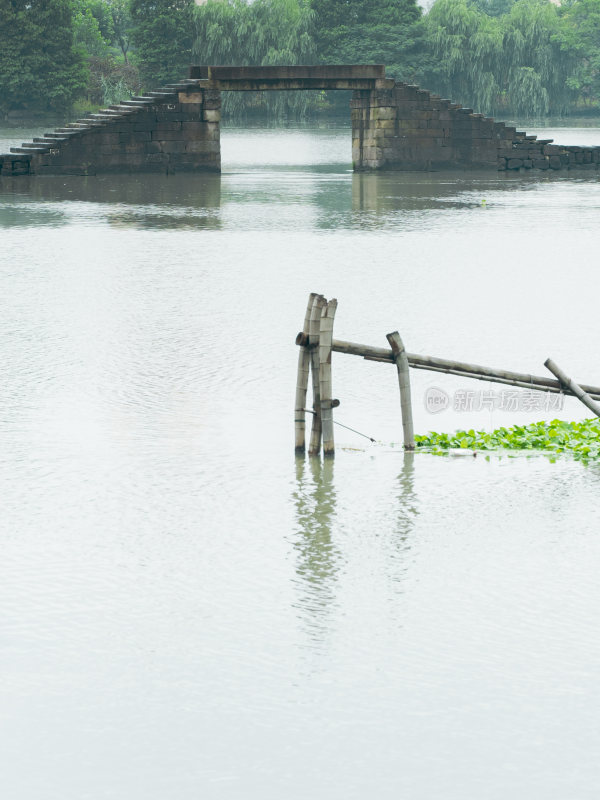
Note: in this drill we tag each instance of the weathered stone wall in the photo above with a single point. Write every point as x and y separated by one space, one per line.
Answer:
408 128
175 129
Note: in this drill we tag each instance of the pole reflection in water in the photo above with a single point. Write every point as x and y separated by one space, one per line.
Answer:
318 558
407 499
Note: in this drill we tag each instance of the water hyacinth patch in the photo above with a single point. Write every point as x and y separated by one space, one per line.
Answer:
582 439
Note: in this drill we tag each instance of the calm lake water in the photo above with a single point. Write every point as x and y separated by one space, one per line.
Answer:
188 611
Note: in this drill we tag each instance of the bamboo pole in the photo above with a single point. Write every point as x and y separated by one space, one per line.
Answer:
404 382
569 383
314 446
325 339
302 384
460 368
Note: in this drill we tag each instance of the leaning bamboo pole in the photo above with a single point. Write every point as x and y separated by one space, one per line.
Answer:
314 446
302 384
569 383
404 382
325 339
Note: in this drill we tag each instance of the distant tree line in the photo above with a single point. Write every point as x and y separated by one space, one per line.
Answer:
504 57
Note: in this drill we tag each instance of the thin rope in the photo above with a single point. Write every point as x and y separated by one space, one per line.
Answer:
348 428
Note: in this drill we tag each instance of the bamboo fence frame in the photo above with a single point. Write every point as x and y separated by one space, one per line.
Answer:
317 344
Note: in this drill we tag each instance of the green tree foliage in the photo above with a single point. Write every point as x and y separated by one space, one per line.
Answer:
380 31
40 66
92 26
102 29
121 25
264 32
580 35
162 34
516 62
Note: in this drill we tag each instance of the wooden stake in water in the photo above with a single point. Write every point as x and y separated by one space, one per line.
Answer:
569 383
302 384
314 447
325 339
401 360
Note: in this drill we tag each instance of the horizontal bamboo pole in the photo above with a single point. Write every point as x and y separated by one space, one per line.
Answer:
460 368
558 389
569 383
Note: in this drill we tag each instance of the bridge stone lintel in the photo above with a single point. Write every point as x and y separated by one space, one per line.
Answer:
286 78
294 84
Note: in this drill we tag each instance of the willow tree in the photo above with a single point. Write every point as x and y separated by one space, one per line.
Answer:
467 46
535 66
513 63
262 33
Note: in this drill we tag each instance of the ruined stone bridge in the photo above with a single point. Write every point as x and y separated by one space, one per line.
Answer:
395 126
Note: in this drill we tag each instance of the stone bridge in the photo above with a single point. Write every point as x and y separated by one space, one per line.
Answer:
395 126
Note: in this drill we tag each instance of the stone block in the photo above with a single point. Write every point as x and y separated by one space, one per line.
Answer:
157 158
552 150
203 147
192 131
172 146
196 98
143 125
382 113
389 124
164 136
541 163
161 127
172 116
514 163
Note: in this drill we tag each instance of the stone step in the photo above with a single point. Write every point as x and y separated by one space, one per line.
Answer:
161 94
140 99
60 133
545 141
25 150
35 146
124 109
136 103
90 122
49 140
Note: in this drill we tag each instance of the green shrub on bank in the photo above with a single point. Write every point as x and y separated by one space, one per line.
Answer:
582 439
